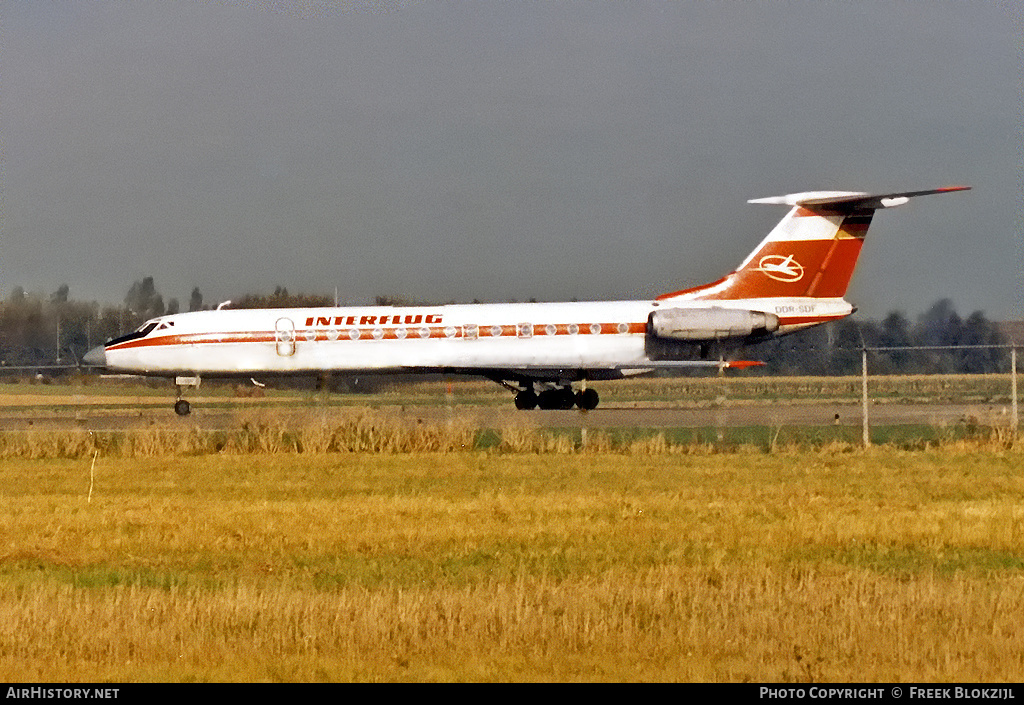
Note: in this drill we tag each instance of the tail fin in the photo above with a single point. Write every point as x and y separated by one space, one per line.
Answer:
811 252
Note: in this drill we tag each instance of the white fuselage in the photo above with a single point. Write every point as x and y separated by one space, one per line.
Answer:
578 335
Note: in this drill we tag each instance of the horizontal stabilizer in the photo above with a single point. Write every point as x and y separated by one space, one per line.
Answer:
848 201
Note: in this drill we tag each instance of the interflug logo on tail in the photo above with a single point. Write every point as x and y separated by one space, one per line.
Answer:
779 268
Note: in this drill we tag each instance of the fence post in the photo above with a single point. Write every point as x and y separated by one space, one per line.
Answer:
1013 389
865 434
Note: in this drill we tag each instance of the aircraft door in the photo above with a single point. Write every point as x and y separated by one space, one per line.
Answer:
284 337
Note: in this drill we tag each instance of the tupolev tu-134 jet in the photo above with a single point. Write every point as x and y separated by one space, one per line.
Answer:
795 278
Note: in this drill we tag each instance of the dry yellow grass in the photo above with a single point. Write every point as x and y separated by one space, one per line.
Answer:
346 431
363 430
762 623
828 566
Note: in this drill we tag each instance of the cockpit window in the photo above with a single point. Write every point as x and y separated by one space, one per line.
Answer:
141 332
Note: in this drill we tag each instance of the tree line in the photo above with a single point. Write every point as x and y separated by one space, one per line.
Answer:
835 348
38 329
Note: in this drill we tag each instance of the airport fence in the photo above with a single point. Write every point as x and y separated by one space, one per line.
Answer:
866 352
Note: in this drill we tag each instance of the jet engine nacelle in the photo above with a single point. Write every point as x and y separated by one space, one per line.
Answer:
711 323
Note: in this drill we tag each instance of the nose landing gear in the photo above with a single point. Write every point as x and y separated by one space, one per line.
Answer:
181 406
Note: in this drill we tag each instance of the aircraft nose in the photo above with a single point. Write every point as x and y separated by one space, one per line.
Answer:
97 356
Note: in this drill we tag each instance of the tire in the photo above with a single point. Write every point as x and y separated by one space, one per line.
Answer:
526 400
549 399
588 399
567 399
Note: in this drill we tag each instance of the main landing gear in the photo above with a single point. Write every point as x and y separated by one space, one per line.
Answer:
556 398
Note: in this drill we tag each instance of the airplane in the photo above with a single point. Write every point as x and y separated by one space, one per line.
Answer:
795 278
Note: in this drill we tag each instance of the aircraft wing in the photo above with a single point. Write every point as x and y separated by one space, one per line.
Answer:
611 371
680 364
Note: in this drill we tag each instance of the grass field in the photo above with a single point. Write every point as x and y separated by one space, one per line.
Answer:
349 544
635 564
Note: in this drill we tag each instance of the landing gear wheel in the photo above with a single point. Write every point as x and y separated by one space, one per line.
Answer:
182 408
587 399
567 398
548 399
556 398
526 400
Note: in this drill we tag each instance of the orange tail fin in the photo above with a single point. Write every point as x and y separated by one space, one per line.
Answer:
812 252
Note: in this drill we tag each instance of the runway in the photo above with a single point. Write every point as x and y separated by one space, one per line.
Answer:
217 414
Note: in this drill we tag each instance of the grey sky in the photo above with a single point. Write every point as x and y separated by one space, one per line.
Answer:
503 150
